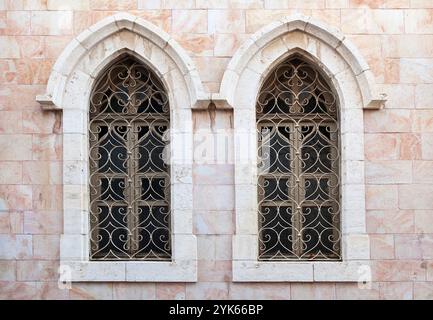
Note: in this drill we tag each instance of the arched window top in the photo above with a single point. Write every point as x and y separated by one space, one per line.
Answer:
129 171
298 165
297 88
130 88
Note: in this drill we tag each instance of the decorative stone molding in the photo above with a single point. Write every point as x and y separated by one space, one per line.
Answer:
330 36
82 44
69 88
349 75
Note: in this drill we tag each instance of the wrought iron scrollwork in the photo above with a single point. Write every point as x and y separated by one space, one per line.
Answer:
129 119
298 165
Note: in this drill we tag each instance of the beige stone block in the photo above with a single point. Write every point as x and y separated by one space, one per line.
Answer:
19 290
423 121
134 291
419 70
47 197
399 96
11 222
193 21
399 270
42 172
390 221
46 147
16 147
313 291
418 21
213 174
51 22
356 247
380 4
214 271
51 291
407 246
358 21
396 290
18 22
206 247
170 291
415 196
260 291
11 172
11 122
207 291
185 247
41 122
17 197
422 171
350 271
43 222
407 46
211 69
214 197
91 291
427 146
37 270
388 172
381 246
68 5
423 290
46 247
227 44
226 21
113 4
381 197
245 247
213 222
149 4
76 147
352 291
410 146
177 271
9 48
15 247
391 120
7 273
177 4
101 271
196 44
424 96
253 271
424 221
382 146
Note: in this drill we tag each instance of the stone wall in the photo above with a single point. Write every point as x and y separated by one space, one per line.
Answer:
395 37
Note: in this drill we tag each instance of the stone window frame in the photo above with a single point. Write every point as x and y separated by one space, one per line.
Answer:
68 90
353 81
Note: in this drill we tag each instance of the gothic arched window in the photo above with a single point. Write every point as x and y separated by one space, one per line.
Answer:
298 165
129 121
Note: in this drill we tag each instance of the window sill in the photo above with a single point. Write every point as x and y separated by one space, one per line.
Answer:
300 271
129 271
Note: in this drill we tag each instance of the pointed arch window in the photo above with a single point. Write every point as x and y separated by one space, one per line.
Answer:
129 180
298 165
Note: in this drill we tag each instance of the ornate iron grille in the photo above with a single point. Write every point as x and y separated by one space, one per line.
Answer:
298 165
129 172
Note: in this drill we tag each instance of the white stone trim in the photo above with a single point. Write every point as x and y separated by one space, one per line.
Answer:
345 68
347 51
107 27
68 89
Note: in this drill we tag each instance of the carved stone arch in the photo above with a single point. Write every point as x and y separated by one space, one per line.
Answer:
86 41
352 82
69 88
326 35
